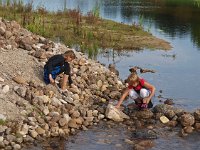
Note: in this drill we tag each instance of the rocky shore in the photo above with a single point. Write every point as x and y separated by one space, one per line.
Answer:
31 110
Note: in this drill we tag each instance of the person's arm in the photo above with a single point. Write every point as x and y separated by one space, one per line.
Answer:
152 89
68 72
126 92
51 79
64 82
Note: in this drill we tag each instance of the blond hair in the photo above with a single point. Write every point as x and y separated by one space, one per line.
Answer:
133 77
70 53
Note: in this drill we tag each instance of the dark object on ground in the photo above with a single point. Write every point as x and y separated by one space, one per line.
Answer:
112 68
144 134
169 102
142 70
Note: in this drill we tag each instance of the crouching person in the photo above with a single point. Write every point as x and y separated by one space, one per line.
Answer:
139 90
58 65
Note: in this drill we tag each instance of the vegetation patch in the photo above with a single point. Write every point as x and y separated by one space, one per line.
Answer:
89 32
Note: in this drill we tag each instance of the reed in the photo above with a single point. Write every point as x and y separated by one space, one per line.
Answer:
70 26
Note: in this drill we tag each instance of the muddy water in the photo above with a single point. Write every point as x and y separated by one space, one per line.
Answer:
177 71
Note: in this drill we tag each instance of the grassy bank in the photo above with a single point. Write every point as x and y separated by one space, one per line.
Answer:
70 27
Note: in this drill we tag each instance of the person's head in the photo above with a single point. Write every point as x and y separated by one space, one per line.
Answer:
133 79
69 55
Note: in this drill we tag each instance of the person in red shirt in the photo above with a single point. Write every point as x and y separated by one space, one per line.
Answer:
139 90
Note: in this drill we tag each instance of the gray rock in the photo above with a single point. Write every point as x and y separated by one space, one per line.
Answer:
187 120
5 89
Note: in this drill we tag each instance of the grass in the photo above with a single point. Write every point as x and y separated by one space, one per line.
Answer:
90 32
3 122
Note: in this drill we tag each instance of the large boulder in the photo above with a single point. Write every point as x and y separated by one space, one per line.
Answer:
115 114
187 120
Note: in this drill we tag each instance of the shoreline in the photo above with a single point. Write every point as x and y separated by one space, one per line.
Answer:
90 32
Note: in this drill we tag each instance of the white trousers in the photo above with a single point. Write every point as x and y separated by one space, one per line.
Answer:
143 93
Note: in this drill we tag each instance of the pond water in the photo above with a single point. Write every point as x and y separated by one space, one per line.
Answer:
177 71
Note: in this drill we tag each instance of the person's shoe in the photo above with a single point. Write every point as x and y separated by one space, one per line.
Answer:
144 106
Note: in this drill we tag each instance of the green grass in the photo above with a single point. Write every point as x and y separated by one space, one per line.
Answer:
90 31
3 122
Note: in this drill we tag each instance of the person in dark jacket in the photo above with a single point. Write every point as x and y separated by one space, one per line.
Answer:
57 65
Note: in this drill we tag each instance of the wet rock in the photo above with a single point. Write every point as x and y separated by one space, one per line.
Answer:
172 123
187 120
197 115
129 141
145 114
164 119
170 114
169 102
112 68
144 134
115 114
197 126
188 129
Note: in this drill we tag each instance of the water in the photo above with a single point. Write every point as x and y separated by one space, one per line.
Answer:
177 71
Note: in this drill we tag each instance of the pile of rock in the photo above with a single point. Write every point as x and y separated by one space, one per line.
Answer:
176 116
45 112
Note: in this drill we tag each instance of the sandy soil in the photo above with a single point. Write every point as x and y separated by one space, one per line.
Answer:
16 62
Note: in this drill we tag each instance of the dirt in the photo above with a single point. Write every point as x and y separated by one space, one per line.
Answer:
16 62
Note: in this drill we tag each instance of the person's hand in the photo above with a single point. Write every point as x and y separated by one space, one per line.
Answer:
117 106
52 81
145 100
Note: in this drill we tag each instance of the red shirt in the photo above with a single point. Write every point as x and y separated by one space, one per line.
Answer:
139 86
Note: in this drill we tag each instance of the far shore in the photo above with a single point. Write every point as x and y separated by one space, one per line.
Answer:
90 32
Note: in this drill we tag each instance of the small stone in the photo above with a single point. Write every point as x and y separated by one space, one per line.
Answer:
20 80
188 129
33 133
39 130
46 110
1 79
164 119
1 138
118 145
5 89
2 117
63 122
16 147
